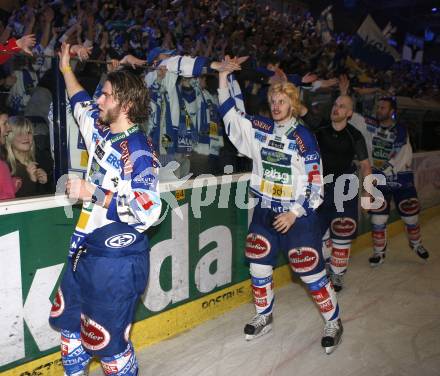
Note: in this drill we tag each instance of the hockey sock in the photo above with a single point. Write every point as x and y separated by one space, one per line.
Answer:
340 255
123 364
323 294
412 229
379 232
75 359
326 246
262 287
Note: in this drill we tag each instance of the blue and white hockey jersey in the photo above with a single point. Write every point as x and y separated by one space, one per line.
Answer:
122 163
389 148
287 168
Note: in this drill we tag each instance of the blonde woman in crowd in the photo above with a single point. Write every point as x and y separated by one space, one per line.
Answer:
21 158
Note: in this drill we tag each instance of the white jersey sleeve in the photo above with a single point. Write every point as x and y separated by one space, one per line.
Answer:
237 126
85 113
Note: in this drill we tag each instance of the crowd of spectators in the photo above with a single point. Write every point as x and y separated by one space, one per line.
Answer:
294 44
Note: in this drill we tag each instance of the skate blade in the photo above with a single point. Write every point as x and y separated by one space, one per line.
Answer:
266 329
375 265
423 258
330 349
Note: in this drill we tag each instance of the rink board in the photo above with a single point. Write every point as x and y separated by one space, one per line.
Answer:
197 268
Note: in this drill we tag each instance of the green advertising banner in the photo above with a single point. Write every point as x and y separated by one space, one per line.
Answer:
196 250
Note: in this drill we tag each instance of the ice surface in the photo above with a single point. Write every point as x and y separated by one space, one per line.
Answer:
391 318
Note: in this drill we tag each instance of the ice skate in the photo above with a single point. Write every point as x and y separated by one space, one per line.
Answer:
337 281
421 251
332 335
258 326
377 258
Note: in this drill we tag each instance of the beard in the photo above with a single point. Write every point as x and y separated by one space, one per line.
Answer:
337 118
382 117
110 116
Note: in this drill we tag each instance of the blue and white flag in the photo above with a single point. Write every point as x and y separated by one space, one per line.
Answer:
413 49
371 46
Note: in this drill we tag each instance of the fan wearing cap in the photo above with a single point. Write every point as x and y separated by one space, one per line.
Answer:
172 126
390 155
157 54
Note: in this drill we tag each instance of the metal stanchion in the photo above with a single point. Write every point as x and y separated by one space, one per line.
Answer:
59 123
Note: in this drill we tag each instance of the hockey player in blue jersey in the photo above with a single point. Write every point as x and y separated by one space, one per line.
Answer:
107 268
390 154
287 182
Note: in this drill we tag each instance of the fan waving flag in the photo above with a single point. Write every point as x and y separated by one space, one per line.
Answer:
413 49
371 46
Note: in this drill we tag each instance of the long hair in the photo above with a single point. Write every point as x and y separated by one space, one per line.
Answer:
2 147
292 93
19 125
131 93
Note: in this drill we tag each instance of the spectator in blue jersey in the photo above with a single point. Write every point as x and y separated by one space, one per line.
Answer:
175 125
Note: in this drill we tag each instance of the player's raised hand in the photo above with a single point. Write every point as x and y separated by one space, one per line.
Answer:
64 55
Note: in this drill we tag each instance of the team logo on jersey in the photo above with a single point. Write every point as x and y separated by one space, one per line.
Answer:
128 166
260 137
115 181
303 260
97 173
93 336
381 149
257 246
343 227
300 143
293 146
257 123
274 156
120 240
58 304
99 152
310 158
313 174
143 200
409 206
276 174
276 144
113 160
